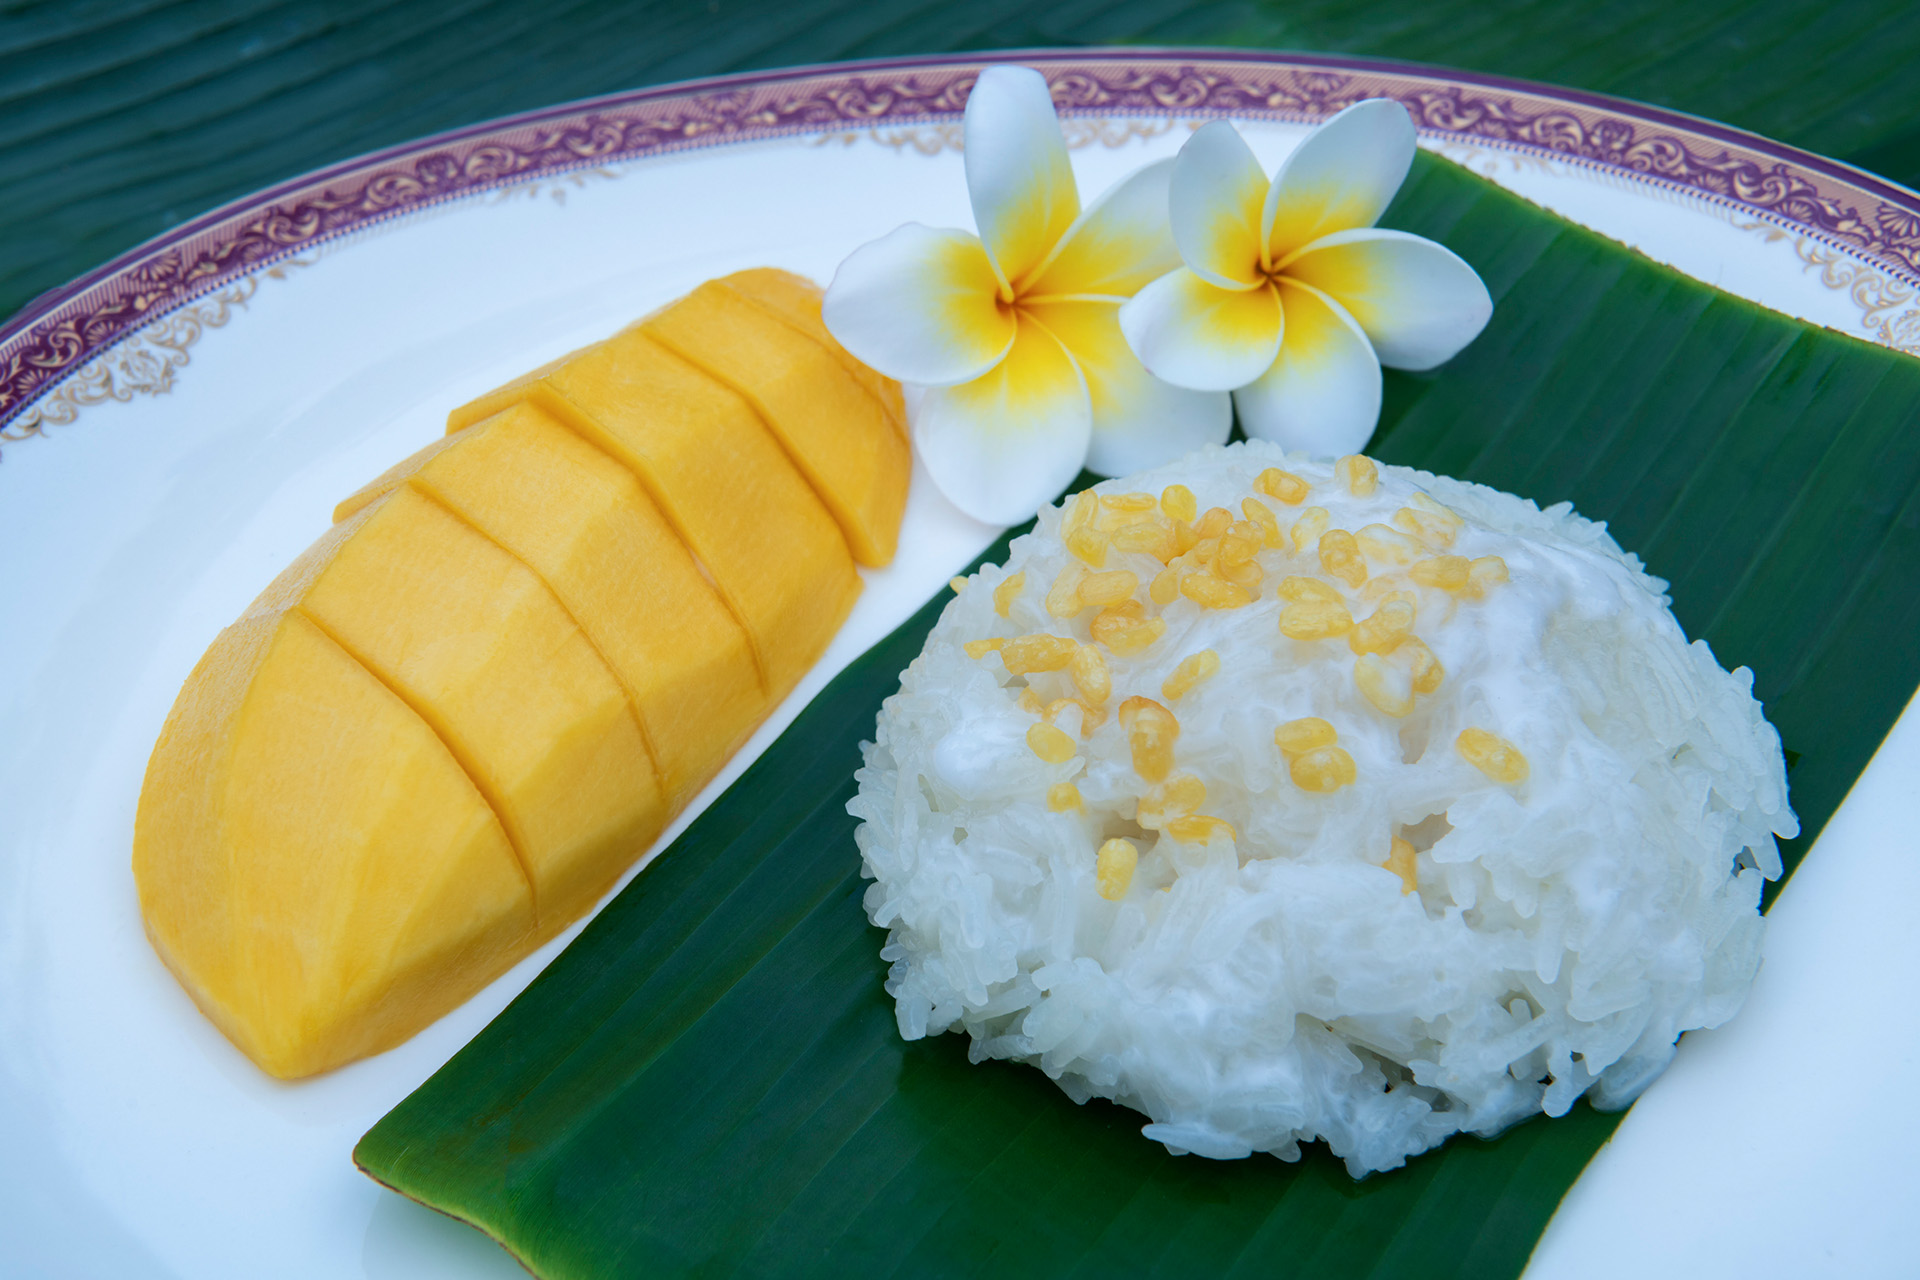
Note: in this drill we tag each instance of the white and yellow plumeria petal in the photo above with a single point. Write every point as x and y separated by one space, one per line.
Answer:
1119 244
1215 200
1341 177
920 305
1323 393
1022 188
1138 420
1004 445
1194 334
1418 302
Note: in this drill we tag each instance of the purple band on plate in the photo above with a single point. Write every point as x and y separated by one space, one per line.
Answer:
62 330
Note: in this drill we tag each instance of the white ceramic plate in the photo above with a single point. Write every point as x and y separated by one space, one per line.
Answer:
178 425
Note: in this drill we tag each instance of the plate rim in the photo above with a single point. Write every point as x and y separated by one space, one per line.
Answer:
59 334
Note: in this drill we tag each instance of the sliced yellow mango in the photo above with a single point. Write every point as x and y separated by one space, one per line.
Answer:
729 490
836 432
475 642
796 300
445 730
387 481
581 521
313 864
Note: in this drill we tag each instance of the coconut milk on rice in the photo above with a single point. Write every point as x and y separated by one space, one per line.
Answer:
1304 802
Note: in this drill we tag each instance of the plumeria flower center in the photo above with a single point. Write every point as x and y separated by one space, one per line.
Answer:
1013 335
1288 295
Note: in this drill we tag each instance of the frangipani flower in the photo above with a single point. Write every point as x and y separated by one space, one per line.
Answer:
1014 333
1289 296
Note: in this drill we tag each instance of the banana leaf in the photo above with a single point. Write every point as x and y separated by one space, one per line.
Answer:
709 1080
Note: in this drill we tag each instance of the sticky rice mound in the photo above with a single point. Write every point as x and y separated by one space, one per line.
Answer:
1286 801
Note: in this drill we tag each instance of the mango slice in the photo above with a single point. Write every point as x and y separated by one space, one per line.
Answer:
443 733
723 482
389 480
838 435
343 938
474 641
581 521
796 300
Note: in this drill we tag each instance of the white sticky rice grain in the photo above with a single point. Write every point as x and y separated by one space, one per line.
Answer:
1276 983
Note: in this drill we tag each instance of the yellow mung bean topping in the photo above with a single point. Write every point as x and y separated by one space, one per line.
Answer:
1486 572
1389 586
1340 556
1179 503
1448 573
1088 671
1241 542
1261 515
1151 730
1089 545
1389 545
1007 592
1063 597
1049 743
1308 733
1282 485
1077 526
1215 522
1125 629
1063 797
1315 620
1419 526
1428 521
1027 654
1113 868
1079 529
1359 473
1492 755
1148 537
1383 632
1229 566
1192 670
1210 592
1400 862
1175 798
1386 686
1099 590
1090 717
981 648
1323 769
1297 588
1308 528
1201 828
1165 587
1427 672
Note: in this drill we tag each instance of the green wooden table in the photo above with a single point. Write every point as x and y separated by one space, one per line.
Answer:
124 117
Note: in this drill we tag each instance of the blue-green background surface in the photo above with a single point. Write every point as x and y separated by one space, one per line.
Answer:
120 118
